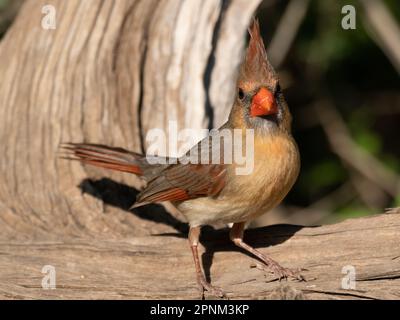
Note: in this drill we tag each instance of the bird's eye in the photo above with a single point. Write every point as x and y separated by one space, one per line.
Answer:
240 94
278 89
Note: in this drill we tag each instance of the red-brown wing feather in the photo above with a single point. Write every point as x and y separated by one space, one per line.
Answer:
175 182
184 181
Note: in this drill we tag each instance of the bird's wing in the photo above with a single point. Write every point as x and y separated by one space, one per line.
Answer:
196 174
165 182
180 182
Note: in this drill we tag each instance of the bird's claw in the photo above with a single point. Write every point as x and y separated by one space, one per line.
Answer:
286 273
205 286
281 272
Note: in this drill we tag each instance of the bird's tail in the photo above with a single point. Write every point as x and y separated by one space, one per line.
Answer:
103 156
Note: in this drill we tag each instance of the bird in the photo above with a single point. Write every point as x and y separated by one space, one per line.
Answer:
213 192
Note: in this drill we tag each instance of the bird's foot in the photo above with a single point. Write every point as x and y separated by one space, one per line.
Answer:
205 286
281 272
285 273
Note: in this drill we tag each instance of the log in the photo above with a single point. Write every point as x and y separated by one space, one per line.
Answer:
109 72
160 266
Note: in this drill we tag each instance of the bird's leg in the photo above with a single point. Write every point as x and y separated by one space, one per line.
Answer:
236 235
194 234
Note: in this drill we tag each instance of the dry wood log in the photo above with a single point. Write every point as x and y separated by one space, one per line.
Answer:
161 266
109 72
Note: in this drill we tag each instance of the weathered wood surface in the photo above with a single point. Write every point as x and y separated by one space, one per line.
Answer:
160 266
109 72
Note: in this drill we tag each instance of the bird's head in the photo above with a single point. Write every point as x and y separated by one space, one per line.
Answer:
259 102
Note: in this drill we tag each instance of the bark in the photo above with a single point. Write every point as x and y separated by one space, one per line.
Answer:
161 266
109 72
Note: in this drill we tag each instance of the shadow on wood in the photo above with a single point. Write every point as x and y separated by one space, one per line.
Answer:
122 196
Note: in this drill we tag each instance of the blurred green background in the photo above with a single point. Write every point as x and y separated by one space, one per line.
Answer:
349 74
343 89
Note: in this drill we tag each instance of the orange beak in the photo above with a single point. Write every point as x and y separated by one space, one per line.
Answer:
263 103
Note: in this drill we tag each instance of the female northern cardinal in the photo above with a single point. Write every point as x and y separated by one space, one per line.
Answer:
207 193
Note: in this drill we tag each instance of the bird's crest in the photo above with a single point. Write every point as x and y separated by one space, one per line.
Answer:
256 66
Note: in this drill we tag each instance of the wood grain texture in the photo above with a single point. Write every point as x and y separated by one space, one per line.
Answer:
161 266
108 73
